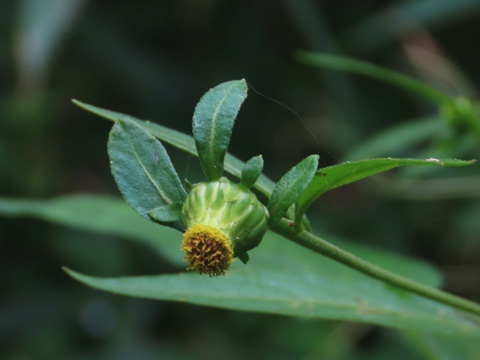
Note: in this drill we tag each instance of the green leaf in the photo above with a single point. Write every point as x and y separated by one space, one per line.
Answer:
169 215
100 214
251 171
282 278
213 121
342 63
180 140
334 176
142 169
290 186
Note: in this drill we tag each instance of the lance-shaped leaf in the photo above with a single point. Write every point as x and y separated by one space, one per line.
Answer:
290 186
213 121
282 278
142 168
180 140
252 170
334 176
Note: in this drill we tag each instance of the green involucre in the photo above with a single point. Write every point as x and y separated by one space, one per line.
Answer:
230 207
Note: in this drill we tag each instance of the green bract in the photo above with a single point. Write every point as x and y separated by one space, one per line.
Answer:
229 207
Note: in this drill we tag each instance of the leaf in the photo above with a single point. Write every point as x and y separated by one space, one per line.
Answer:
282 278
251 171
100 214
213 121
169 215
142 169
342 63
290 186
334 176
180 140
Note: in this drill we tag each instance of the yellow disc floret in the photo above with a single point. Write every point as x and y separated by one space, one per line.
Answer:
207 250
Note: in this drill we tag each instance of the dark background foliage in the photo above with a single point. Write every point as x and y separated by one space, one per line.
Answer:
154 59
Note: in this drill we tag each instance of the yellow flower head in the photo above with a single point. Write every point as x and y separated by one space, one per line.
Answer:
223 220
207 250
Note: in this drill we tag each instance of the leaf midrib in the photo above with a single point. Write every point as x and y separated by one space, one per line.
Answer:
214 122
152 181
434 319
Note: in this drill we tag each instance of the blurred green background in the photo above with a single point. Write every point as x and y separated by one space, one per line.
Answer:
154 60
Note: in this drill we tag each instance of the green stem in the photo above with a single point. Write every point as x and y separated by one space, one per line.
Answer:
310 241
342 63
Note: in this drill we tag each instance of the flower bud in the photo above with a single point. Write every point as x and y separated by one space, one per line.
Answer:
223 220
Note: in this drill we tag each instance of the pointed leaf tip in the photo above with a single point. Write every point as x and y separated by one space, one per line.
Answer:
334 176
251 171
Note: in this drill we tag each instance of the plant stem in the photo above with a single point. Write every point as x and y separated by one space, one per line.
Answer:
310 241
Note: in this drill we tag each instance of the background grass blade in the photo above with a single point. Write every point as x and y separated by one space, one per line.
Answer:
334 176
213 121
365 36
343 63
